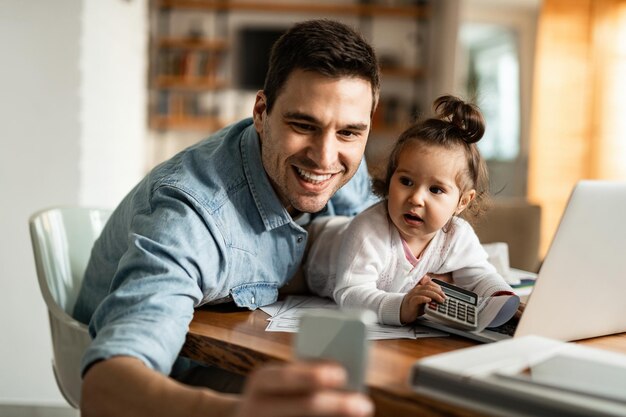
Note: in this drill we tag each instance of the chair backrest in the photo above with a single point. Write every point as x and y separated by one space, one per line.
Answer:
517 223
62 239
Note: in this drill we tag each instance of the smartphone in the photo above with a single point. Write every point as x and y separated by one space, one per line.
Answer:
337 335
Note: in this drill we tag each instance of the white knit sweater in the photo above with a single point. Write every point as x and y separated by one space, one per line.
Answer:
362 263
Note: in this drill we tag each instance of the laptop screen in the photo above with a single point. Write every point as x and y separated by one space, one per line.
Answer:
581 288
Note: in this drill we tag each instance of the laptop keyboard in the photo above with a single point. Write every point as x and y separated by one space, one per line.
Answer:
507 328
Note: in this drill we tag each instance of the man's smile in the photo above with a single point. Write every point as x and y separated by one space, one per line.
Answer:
312 177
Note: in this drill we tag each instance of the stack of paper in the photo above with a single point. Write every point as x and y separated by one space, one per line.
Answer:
525 282
527 376
284 317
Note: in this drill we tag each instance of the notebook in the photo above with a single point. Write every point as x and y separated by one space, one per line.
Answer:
580 291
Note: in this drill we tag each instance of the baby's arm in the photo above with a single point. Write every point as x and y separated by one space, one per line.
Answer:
362 263
366 265
469 263
414 301
323 252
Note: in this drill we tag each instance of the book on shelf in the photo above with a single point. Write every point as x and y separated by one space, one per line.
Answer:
179 104
188 64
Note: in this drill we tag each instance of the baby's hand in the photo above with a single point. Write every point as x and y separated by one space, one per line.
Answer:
414 301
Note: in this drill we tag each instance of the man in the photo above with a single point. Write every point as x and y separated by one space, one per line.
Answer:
217 223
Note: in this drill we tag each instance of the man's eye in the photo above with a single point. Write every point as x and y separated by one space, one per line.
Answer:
347 134
303 127
436 190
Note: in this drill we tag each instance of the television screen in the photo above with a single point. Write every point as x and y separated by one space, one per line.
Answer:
253 46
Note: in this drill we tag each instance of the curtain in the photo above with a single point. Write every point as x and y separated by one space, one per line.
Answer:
578 127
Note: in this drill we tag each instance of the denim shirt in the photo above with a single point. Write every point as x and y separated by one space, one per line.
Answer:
203 227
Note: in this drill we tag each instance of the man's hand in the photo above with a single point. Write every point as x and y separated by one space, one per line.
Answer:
124 386
301 389
423 293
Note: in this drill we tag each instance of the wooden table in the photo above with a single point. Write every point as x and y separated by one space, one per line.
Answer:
236 340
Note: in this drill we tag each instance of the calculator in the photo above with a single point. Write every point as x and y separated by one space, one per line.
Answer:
458 310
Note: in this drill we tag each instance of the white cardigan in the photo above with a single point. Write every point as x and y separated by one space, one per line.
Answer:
362 263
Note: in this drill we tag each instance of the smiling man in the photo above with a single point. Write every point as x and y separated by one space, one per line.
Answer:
221 222
311 148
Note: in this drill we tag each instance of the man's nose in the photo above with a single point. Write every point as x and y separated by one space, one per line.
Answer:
324 150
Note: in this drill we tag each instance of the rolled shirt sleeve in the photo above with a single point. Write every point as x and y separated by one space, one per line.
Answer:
156 286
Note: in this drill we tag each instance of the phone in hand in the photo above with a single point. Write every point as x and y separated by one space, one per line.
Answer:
337 335
458 310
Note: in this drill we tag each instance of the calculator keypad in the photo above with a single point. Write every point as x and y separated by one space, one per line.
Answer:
454 312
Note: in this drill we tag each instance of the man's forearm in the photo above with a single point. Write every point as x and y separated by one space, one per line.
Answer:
124 386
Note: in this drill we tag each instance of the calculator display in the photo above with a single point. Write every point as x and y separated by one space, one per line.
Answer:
457 292
459 295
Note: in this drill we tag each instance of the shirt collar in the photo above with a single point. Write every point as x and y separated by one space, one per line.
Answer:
272 212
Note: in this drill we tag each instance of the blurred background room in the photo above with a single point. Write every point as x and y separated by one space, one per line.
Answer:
96 92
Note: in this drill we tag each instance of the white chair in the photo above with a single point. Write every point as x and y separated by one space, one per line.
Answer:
62 239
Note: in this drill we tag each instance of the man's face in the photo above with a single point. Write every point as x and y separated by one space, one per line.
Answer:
313 140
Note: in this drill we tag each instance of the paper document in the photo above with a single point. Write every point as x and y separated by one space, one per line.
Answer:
285 315
495 311
525 282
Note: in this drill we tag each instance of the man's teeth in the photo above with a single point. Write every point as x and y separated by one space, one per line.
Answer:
311 177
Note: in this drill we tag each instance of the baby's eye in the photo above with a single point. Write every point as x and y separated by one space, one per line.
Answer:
436 190
406 181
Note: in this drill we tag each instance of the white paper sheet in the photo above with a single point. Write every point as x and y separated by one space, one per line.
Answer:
285 315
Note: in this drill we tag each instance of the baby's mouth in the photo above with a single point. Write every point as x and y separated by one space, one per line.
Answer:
413 218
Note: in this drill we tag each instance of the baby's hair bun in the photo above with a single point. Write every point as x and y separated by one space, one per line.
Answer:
465 116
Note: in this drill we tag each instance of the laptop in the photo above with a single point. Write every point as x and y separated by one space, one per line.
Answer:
580 291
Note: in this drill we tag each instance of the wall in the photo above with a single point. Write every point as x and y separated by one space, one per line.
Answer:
72 128
113 65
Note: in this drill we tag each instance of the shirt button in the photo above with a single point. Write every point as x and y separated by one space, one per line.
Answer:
300 239
252 300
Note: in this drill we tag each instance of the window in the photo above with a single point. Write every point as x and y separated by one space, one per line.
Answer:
491 78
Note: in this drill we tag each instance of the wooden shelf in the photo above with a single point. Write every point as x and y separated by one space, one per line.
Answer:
186 70
397 72
204 123
188 83
193 44
410 11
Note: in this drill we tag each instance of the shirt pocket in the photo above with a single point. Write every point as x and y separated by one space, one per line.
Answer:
255 294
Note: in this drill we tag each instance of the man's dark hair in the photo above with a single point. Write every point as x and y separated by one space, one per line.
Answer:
323 46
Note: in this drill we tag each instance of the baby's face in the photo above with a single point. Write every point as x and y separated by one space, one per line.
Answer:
423 191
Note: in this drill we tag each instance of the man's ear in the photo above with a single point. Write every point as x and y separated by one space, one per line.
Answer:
258 112
466 198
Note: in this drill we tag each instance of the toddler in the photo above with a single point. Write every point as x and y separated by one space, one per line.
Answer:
384 258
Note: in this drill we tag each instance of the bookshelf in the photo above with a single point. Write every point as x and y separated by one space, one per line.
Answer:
415 10
193 55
